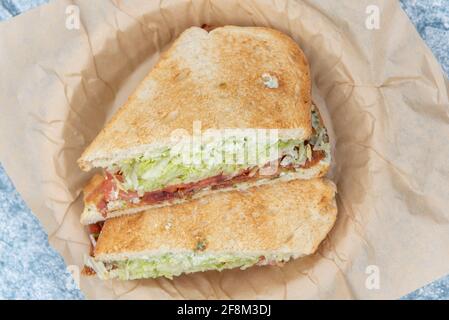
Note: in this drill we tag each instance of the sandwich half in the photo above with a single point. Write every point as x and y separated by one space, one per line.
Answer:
235 100
281 221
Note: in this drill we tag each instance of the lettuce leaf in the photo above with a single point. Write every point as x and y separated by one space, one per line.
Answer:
170 265
149 173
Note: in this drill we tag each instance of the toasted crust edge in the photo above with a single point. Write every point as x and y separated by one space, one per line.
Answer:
91 215
320 212
89 158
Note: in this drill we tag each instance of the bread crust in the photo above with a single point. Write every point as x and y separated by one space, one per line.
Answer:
291 217
215 78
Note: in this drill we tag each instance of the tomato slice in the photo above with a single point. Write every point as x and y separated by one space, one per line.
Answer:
94 229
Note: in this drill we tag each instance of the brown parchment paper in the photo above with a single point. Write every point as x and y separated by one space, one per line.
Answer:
382 92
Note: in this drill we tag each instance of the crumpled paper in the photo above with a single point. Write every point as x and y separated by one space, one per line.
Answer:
381 92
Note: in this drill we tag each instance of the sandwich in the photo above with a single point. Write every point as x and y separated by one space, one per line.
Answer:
267 225
222 110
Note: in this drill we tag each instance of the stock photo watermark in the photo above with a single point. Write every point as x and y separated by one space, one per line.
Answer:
73 282
249 147
72 20
372 21
372 281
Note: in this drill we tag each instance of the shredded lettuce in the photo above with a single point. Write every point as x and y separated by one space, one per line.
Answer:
320 140
149 173
169 265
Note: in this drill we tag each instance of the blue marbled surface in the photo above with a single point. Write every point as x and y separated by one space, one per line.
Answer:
31 269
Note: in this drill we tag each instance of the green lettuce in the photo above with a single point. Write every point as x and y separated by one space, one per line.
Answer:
170 265
149 173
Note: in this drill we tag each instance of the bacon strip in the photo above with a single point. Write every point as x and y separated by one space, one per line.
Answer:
207 27
107 190
94 231
317 156
88 271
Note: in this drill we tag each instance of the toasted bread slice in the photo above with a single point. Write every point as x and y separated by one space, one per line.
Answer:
93 214
270 223
231 77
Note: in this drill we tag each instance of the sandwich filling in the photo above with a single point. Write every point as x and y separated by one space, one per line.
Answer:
170 265
155 179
